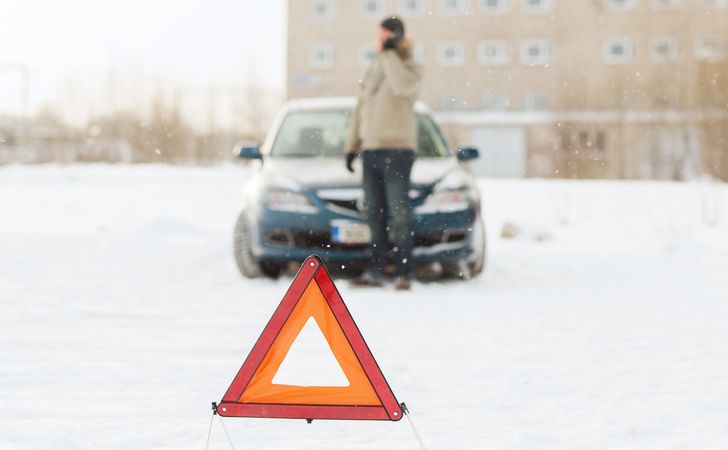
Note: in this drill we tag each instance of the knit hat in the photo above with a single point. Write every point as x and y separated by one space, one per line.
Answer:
393 24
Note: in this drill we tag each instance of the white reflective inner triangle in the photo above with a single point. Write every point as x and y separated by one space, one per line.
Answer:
310 361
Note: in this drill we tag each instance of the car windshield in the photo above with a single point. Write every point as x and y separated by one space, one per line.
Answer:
324 133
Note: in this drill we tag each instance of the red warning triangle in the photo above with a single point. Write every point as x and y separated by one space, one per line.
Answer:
253 392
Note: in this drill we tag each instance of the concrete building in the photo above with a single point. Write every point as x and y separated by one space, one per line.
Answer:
562 88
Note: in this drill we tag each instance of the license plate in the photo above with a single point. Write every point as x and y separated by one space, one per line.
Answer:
346 232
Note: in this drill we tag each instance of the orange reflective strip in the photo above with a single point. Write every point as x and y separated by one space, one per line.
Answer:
262 390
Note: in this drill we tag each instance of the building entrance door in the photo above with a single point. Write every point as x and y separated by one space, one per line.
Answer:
502 152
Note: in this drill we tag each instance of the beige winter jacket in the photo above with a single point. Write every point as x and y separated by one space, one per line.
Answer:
384 116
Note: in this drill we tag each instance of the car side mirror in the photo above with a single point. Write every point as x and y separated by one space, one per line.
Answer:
247 151
468 153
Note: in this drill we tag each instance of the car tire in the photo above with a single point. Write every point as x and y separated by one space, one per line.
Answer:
477 260
474 265
248 265
458 270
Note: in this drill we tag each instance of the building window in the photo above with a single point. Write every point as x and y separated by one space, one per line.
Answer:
535 52
418 53
536 102
495 101
663 4
664 49
366 55
412 7
710 49
323 10
537 6
373 8
493 53
585 143
454 7
451 54
618 50
495 6
621 5
322 55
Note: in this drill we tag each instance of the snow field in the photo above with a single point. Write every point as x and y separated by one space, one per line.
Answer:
602 324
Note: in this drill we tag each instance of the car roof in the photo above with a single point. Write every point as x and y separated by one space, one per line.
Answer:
324 103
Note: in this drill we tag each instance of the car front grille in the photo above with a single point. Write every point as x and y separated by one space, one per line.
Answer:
346 200
352 199
351 205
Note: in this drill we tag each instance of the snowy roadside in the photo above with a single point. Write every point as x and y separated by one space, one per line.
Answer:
601 325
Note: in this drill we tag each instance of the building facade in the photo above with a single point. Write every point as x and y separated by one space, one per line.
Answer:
552 88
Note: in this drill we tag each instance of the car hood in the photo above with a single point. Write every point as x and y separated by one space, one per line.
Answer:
316 172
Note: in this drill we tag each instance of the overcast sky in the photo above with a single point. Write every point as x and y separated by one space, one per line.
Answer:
76 49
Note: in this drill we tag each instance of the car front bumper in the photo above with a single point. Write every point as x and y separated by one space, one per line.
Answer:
442 236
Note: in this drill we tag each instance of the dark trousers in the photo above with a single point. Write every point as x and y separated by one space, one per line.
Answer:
386 180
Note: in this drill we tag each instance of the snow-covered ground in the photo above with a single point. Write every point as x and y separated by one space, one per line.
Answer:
602 325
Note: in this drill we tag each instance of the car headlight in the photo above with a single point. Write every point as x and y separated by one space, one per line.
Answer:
446 197
453 181
287 200
453 188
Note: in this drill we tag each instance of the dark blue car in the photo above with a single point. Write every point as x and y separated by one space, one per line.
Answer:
301 200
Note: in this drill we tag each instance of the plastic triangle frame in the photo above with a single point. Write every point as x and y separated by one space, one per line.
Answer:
380 405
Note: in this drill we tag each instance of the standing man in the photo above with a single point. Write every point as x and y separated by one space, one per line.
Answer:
384 131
